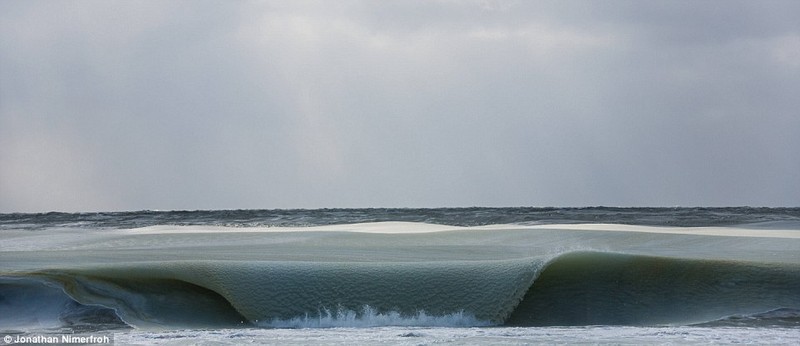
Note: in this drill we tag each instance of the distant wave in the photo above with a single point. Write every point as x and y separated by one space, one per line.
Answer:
678 216
572 288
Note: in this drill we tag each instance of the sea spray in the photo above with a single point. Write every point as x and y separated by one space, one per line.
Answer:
370 317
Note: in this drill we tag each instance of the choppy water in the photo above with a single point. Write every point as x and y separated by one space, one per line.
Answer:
686 217
406 276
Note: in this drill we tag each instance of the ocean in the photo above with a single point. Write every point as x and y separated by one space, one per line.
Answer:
499 276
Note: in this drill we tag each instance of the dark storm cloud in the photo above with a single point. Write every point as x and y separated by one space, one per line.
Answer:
183 105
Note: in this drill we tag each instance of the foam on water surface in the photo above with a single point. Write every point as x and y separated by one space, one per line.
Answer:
765 231
602 335
386 227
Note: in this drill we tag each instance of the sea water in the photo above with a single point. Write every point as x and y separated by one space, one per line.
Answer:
405 276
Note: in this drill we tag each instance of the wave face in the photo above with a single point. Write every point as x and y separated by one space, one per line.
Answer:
576 288
589 288
398 274
29 302
228 294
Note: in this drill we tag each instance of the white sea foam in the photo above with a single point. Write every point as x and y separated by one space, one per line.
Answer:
394 227
765 230
775 231
370 317
612 335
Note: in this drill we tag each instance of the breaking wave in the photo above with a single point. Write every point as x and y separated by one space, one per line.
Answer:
573 288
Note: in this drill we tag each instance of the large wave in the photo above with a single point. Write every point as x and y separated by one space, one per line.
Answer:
572 288
595 288
397 274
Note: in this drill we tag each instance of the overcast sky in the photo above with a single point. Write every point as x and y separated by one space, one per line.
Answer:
112 105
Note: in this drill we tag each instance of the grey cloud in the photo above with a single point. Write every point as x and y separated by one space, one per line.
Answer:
184 105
